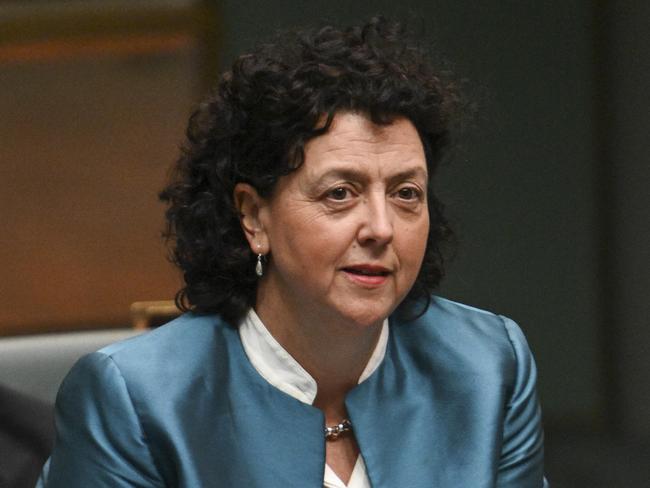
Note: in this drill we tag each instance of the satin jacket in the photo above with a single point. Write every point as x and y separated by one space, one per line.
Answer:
453 404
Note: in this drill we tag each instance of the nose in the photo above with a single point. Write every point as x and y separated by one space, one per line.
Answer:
377 221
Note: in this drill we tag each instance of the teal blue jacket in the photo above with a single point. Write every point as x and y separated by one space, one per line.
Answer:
453 404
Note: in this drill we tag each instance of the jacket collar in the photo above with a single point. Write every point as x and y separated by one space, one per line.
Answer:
280 369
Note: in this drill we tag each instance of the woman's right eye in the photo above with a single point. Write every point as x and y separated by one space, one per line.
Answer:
338 193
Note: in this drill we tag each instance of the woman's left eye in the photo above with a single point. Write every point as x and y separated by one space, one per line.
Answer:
408 193
338 193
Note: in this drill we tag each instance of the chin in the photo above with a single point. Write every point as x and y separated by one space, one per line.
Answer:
368 317
365 308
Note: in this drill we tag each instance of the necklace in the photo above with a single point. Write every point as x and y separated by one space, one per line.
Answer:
334 432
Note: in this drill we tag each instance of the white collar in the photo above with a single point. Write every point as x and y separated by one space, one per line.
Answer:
280 369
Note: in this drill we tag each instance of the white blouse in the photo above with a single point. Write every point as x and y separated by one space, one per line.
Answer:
281 370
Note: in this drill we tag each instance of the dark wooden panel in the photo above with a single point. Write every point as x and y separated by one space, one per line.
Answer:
89 128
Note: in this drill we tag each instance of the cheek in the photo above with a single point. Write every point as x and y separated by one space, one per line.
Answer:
414 244
304 241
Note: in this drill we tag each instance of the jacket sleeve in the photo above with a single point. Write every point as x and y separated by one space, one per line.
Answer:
100 441
521 463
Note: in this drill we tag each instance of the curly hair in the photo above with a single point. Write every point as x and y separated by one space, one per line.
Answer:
254 128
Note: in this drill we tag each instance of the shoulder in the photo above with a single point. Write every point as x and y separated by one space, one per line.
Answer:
124 402
187 334
452 322
465 338
149 364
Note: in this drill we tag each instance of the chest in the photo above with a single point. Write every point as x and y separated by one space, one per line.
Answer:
341 456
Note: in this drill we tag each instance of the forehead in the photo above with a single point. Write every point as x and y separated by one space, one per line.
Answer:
354 140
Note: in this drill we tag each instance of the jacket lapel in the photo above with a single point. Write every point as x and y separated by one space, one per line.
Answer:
276 440
421 423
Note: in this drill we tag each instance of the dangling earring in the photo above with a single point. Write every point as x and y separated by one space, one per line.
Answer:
259 268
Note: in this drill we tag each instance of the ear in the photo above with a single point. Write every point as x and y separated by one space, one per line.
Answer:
250 205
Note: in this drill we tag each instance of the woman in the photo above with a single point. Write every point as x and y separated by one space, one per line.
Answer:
304 220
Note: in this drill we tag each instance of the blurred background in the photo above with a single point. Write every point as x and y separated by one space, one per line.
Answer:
548 190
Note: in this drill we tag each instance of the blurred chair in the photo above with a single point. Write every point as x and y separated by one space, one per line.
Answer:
31 370
26 438
35 365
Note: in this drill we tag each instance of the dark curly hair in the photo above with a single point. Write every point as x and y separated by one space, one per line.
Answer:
255 125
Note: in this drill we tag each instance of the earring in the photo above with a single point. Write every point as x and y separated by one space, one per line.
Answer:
259 268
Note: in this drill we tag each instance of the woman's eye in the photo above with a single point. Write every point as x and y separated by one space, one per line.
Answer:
338 193
408 193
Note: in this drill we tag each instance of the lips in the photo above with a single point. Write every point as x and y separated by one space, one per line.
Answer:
366 270
367 275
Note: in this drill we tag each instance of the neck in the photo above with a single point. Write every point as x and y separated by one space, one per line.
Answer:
332 350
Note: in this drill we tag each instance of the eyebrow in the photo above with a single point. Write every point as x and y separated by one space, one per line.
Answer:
357 175
410 173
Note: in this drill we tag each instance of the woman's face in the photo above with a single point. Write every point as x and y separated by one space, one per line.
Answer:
346 232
